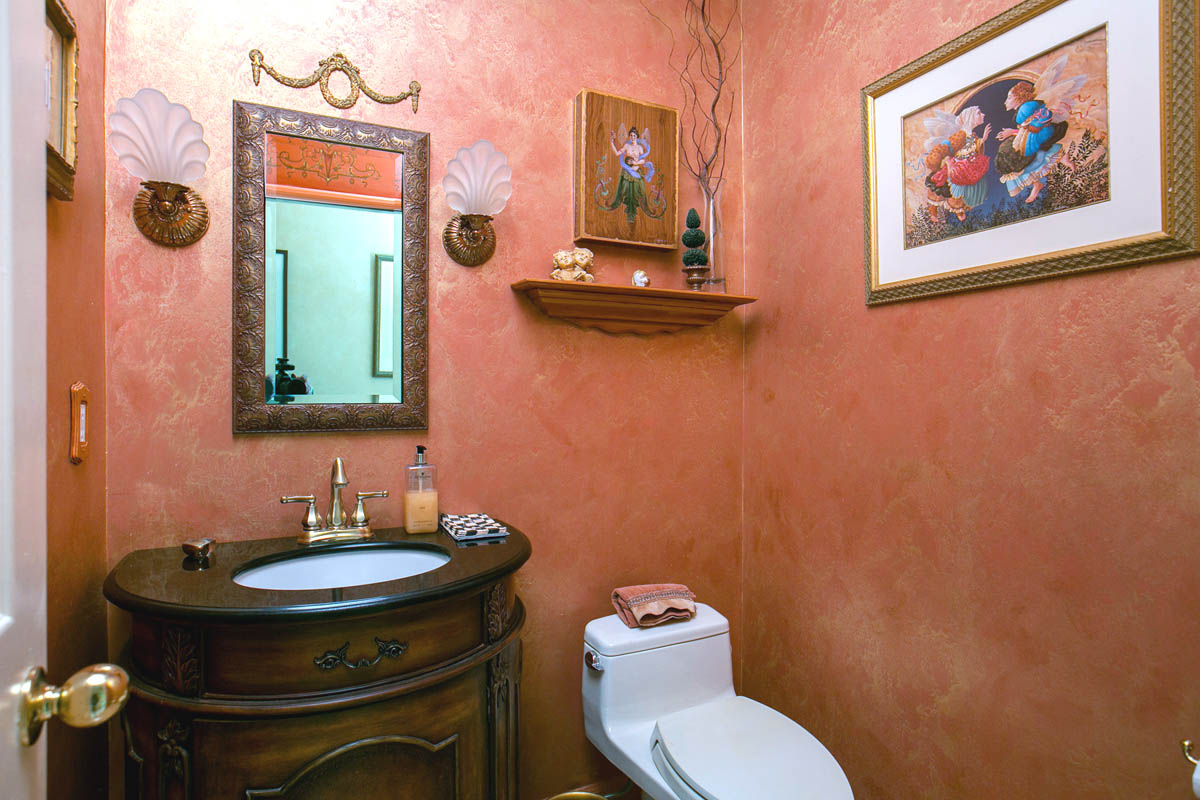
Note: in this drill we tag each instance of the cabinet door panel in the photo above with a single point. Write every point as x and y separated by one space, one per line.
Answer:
396 767
431 737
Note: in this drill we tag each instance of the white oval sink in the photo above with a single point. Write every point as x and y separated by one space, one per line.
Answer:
341 568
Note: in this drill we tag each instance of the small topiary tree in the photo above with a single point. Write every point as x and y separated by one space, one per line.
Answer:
695 260
693 239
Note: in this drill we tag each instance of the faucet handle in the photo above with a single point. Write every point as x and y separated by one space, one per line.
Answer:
359 518
312 519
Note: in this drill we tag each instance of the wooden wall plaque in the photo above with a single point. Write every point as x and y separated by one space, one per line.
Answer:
626 157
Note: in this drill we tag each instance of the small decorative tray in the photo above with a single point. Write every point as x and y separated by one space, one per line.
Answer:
469 527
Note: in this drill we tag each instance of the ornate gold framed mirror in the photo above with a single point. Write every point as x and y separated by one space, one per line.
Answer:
320 206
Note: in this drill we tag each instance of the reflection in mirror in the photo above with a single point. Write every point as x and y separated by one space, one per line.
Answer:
385 300
326 303
344 213
332 209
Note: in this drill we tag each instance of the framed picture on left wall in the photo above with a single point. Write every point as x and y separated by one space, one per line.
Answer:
62 100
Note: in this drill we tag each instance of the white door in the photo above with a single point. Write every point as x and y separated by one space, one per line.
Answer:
22 380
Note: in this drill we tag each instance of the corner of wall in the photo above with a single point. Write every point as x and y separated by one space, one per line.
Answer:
746 274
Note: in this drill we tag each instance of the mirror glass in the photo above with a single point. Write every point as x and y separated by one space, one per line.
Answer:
332 217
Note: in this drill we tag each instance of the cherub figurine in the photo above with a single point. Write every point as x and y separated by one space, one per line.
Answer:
584 258
573 265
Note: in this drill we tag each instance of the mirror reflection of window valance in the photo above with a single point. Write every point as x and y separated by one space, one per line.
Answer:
325 172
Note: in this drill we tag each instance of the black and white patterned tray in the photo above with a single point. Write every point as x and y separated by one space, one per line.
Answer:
469 527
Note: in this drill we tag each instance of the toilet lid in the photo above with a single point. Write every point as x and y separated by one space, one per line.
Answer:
737 748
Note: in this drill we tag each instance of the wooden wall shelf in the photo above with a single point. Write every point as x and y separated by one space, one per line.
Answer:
628 309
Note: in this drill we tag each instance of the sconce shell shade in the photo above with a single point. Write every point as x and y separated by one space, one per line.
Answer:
477 186
160 143
478 180
157 140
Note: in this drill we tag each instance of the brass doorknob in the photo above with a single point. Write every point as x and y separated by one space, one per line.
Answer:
89 697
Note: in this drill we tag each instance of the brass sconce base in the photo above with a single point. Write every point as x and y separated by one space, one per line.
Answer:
170 214
469 239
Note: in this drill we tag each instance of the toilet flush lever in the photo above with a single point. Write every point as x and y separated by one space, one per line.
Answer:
593 661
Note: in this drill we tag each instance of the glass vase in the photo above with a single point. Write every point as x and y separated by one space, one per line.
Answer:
712 227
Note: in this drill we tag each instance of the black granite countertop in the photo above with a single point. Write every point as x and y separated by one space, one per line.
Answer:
158 583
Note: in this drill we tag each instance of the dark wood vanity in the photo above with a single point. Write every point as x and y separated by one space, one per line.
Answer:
399 690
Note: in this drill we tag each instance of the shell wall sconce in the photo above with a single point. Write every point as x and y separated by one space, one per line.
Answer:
477 185
160 143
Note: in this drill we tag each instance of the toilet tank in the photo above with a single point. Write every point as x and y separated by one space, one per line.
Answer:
632 674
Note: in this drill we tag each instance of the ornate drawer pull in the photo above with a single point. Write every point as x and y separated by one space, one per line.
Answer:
332 659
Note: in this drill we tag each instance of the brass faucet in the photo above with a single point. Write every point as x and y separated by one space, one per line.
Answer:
339 529
337 482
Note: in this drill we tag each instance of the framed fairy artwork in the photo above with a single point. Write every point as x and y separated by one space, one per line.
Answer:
626 171
1058 137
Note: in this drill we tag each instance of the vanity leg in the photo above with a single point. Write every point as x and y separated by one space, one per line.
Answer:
134 763
504 693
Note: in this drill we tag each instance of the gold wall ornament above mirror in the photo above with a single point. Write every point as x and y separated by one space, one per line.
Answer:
326 67
321 206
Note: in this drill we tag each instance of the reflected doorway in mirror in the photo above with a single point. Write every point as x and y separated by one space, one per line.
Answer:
381 362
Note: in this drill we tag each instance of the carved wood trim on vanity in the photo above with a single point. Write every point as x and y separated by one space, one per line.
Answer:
495 612
174 758
504 679
504 687
181 660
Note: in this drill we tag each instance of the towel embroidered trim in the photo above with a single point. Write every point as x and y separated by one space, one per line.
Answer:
668 594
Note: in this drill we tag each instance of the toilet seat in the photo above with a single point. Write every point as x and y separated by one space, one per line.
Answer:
737 749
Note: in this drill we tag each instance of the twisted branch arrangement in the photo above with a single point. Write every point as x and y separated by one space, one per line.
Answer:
707 101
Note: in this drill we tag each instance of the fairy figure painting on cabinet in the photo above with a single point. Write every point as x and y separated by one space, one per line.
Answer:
637 190
1028 142
626 166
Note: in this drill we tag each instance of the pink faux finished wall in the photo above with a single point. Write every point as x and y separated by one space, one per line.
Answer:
970 521
619 456
75 539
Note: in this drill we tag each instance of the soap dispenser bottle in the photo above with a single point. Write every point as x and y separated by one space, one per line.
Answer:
421 497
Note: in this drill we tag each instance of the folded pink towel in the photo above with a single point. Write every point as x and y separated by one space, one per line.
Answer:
652 603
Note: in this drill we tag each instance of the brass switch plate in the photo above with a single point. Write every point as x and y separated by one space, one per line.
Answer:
80 399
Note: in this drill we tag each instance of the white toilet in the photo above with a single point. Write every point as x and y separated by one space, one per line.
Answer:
659 703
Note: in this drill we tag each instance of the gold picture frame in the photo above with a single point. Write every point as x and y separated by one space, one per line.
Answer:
62 68
1150 215
626 172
